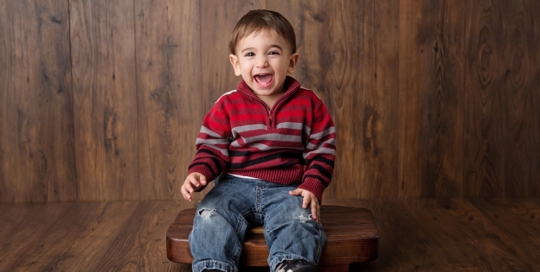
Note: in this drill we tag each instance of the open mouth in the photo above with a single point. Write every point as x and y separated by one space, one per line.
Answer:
264 80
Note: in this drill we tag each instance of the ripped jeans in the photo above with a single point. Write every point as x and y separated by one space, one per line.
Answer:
236 204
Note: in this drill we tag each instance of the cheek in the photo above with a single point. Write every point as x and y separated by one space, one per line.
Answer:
245 70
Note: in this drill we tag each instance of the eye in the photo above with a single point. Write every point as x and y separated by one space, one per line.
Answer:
249 54
273 53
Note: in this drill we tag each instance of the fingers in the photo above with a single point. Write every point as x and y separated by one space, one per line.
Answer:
312 202
201 183
299 192
306 201
315 210
309 200
296 192
186 191
192 182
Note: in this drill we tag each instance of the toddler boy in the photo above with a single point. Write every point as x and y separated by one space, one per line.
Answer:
270 148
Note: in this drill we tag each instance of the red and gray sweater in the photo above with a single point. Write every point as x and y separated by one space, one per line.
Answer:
292 143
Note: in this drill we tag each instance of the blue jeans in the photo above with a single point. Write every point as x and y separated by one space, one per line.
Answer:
236 204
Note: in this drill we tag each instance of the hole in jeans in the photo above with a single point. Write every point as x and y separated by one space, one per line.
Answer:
305 218
206 213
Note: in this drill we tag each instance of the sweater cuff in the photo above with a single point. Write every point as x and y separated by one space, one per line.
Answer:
204 171
314 186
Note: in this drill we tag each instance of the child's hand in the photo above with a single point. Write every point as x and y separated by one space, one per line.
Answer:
194 182
309 199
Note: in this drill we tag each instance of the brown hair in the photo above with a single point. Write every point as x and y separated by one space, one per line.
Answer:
260 19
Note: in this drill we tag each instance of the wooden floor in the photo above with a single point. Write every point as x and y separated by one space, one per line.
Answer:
415 234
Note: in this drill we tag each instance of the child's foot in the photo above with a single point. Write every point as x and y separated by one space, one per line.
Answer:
296 266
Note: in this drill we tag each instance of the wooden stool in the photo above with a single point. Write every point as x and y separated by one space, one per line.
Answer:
351 233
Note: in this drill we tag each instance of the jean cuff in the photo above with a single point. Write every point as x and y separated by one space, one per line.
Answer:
282 258
213 264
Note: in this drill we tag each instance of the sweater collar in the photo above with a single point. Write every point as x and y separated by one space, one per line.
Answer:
290 85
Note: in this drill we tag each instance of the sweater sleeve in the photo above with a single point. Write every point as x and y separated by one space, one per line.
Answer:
212 144
320 153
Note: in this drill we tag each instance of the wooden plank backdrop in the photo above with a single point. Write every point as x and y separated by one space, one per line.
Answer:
37 141
105 99
102 101
169 93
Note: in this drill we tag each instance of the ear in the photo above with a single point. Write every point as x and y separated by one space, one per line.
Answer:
293 60
235 64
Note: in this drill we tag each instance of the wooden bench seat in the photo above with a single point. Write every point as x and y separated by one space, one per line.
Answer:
351 233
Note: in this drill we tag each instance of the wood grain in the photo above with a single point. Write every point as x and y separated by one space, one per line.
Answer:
375 103
342 87
534 116
411 94
141 240
516 218
169 97
102 101
87 249
444 122
430 110
456 223
534 185
415 234
518 96
37 160
105 100
36 223
403 246
485 129
52 247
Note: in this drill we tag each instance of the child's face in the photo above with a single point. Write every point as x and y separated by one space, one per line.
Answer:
264 59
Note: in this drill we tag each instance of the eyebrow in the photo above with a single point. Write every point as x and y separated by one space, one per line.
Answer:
272 46
277 46
246 49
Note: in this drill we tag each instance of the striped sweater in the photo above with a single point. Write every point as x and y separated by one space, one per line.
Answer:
292 143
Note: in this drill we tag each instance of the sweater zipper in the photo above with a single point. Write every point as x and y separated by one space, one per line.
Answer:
274 108
268 110
271 111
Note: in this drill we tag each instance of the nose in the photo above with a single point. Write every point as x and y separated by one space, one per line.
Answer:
262 61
